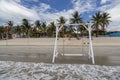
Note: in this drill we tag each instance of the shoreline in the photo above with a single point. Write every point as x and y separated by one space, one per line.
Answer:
50 41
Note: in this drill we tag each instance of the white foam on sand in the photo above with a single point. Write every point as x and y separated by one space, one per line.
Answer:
10 70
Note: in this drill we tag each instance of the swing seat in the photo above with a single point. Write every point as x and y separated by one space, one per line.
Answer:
73 54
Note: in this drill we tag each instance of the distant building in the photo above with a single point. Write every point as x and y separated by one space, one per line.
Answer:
100 32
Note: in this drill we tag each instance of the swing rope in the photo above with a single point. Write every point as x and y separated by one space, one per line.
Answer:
63 40
83 46
82 42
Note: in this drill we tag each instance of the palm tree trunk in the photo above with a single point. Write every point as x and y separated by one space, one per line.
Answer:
2 36
104 30
97 33
70 35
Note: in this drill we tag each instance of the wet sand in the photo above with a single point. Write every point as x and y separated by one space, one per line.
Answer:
106 50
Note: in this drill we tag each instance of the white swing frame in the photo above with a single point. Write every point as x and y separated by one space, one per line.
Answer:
90 53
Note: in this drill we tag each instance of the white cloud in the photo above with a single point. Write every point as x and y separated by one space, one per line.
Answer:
12 10
47 16
15 0
42 7
31 0
16 12
113 10
83 5
103 1
78 5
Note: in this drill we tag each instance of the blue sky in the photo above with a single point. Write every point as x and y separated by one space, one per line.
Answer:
51 10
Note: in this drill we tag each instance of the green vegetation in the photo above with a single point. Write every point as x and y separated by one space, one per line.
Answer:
76 19
100 20
41 29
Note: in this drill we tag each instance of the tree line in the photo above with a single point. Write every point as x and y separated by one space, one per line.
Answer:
100 21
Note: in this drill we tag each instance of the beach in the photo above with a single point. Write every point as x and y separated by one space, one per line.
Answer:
106 50
72 41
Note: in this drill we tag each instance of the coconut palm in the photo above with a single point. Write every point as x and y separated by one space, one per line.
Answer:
61 21
10 24
82 29
37 28
105 20
44 28
26 26
76 18
10 28
2 32
97 22
38 24
23 30
51 29
18 30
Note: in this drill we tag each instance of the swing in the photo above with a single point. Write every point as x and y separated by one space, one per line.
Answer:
90 53
66 54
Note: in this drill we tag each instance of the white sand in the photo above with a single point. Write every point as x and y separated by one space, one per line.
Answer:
50 41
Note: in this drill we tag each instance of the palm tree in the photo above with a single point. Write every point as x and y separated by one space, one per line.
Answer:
44 28
2 32
97 22
10 29
38 24
37 28
18 30
10 24
105 20
23 30
51 29
76 18
61 21
82 29
26 26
